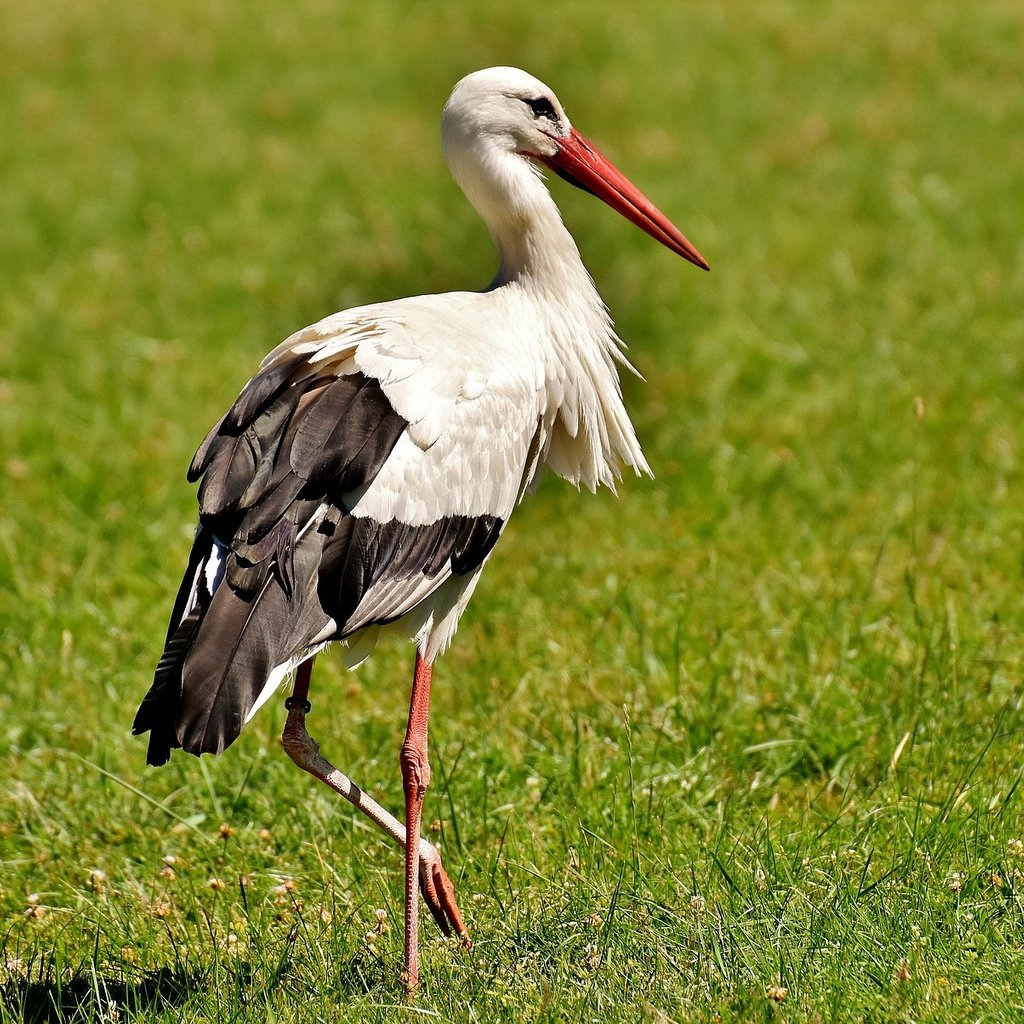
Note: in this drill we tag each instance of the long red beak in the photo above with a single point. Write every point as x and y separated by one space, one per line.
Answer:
582 165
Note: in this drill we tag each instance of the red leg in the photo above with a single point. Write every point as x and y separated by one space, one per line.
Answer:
415 779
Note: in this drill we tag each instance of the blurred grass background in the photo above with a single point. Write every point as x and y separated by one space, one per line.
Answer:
742 744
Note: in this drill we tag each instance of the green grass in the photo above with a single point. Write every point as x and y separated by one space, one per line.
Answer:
753 726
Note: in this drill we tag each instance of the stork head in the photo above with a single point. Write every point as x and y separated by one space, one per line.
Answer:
507 107
501 112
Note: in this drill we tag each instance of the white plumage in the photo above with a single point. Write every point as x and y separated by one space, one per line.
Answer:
360 481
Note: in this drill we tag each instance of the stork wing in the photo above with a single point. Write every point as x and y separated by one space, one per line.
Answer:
325 508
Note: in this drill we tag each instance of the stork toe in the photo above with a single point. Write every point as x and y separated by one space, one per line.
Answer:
439 894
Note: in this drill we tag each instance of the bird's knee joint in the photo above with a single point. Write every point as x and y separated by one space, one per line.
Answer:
415 767
299 745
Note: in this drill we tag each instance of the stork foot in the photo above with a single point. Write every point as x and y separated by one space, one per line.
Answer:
435 885
439 894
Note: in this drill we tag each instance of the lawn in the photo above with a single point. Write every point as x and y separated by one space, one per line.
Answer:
743 743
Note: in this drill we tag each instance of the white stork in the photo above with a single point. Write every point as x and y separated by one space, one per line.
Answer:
361 479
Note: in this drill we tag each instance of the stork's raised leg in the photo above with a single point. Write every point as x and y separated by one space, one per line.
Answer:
438 891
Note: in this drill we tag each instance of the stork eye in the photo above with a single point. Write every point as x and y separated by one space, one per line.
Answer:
542 107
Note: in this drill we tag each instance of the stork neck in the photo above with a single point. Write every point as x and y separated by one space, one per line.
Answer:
513 201
535 246
531 260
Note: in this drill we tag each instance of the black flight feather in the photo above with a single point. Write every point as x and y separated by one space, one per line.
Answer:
262 389
237 646
157 712
269 432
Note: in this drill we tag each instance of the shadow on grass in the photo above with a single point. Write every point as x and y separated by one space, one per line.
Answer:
98 998
95 998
